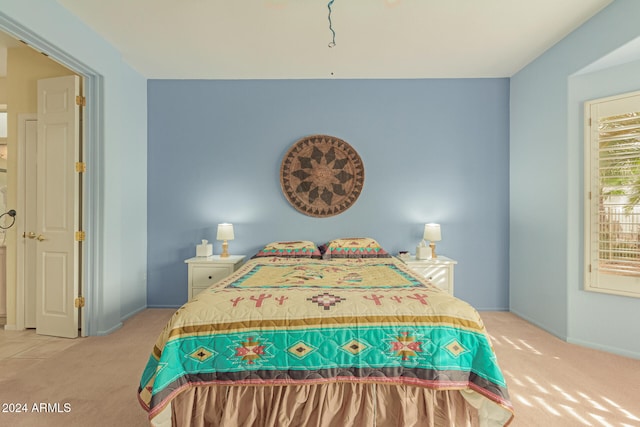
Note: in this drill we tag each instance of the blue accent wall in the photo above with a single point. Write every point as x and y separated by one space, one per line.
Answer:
433 151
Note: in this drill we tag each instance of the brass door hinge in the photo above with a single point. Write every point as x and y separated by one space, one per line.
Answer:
79 302
81 167
80 236
81 101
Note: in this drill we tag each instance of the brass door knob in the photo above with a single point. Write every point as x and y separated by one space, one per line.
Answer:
40 238
31 235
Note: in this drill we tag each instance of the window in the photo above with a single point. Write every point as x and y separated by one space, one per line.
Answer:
612 190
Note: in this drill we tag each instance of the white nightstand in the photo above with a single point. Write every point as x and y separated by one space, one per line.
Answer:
205 271
438 270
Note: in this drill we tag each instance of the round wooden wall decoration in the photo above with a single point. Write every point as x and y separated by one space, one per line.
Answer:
321 175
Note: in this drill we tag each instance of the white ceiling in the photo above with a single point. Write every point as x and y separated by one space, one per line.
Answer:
288 39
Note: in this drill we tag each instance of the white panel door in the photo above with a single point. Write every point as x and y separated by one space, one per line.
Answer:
57 212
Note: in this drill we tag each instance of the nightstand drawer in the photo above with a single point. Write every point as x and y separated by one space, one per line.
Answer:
206 271
196 290
439 271
438 276
203 277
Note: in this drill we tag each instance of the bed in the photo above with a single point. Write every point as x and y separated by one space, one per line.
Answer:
344 335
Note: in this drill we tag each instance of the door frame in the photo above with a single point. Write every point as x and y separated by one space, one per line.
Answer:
20 222
92 129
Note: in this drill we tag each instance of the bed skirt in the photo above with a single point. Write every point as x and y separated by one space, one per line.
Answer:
319 405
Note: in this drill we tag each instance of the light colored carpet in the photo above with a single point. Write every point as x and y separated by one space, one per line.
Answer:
552 383
98 377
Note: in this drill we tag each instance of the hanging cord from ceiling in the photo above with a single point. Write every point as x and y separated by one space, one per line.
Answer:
333 42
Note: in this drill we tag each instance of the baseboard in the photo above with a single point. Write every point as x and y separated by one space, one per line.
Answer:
165 306
110 331
608 349
10 328
3 320
133 313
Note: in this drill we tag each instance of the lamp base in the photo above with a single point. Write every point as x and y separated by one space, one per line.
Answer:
433 250
225 250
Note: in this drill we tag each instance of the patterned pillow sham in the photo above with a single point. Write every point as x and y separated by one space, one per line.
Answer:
293 249
355 247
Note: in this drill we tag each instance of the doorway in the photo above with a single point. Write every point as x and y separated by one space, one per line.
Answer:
47 247
91 254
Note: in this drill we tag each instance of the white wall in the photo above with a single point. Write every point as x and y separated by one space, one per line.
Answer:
546 195
117 145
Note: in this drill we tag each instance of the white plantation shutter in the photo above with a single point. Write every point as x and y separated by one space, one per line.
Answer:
612 208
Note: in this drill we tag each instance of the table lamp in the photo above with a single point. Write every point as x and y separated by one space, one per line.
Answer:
225 232
432 234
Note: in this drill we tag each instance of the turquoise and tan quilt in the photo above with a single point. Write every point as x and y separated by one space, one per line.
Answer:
279 321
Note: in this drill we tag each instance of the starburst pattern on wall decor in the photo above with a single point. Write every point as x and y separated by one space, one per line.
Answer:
321 175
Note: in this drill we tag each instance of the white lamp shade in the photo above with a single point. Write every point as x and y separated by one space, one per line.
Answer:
432 232
225 231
